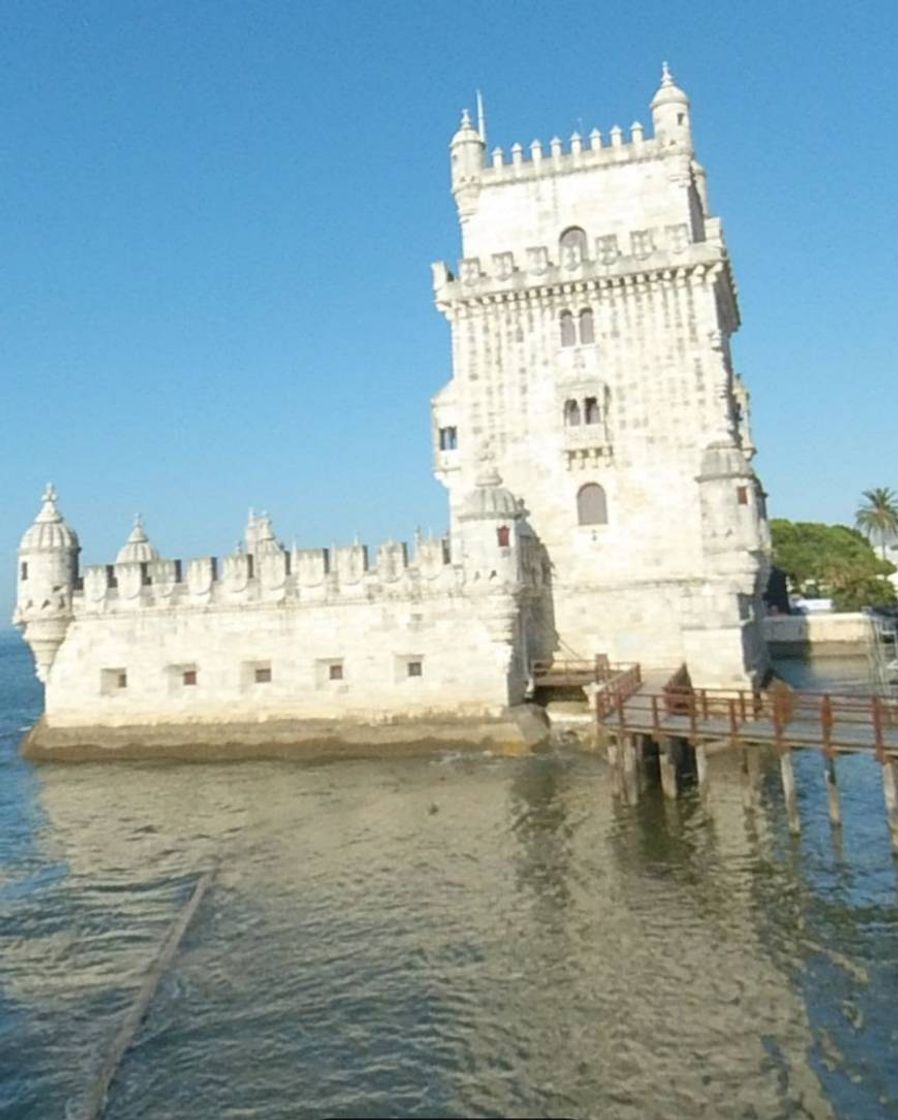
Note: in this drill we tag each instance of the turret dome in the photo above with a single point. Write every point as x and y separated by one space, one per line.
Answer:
489 500
467 133
723 458
137 548
50 532
668 92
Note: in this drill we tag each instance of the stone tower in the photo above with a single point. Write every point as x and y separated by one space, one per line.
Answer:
591 319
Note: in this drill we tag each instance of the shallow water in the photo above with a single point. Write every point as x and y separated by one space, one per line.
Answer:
458 936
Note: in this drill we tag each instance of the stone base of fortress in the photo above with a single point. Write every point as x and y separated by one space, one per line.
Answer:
517 731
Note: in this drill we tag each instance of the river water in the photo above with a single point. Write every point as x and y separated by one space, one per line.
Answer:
452 936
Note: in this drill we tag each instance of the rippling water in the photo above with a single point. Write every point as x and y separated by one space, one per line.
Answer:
458 936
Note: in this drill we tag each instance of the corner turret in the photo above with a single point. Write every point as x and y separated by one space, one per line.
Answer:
467 154
670 115
46 578
490 525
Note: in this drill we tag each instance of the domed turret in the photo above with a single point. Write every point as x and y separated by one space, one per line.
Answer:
466 153
137 548
48 572
489 500
670 113
732 507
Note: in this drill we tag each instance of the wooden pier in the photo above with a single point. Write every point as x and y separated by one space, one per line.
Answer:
661 716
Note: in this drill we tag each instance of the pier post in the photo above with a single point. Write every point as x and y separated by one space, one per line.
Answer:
701 770
788 776
832 790
630 748
667 761
614 763
750 775
891 796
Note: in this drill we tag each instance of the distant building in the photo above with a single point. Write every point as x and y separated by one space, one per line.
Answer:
594 440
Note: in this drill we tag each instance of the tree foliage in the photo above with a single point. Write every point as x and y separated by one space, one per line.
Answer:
834 561
878 516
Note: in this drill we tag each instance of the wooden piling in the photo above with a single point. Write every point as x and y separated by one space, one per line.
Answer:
788 776
667 761
630 748
614 763
701 770
891 796
832 790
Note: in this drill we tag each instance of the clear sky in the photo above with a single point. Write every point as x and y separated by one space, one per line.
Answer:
218 218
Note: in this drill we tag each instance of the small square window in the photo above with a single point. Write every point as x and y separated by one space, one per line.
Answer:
188 677
262 674
335 671
415 668
503 533
121 680
742 495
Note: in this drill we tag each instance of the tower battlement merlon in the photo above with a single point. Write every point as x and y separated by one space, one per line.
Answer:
471 170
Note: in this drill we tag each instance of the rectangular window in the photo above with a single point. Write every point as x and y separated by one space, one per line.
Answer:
178 572
112 681
262 674
335 671
503 533
415 668
742 495
111 581
188 677
251 566
145 578
24 571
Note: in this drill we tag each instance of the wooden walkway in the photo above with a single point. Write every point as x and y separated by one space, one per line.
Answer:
659 715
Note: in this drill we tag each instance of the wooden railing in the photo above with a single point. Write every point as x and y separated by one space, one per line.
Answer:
572 671
623 682
835 720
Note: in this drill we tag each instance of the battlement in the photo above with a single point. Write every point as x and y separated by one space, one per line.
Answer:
302 576
581 155
653 249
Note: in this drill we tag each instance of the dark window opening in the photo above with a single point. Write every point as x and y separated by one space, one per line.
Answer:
568 331
448 439
178 572
250 566
335 672
591 411
742 495
188 677
145 577
214 566
262 674
121 680
415 669
288 564
681 117
571 414
24 570
587 327
111 581
504 535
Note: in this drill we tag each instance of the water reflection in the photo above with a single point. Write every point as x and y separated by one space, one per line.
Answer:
455 936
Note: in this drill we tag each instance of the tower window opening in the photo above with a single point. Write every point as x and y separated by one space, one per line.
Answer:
571 414
23 571
591 412
250 566
587 327
448 439
188 677
572 245
335 671
261 674
415 668
742 495
681 117
111 580
145 577
592 507
503 533
568 331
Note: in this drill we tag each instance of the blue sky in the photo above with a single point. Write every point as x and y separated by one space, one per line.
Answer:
217 221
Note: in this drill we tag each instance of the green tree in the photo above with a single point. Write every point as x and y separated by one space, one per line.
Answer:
833 561
878 516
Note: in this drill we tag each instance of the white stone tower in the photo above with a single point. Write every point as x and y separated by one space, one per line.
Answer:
591 321
46 579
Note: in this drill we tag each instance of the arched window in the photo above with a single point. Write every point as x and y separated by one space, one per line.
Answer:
571 414
572 247
587 328
592 509
568 331
591 412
